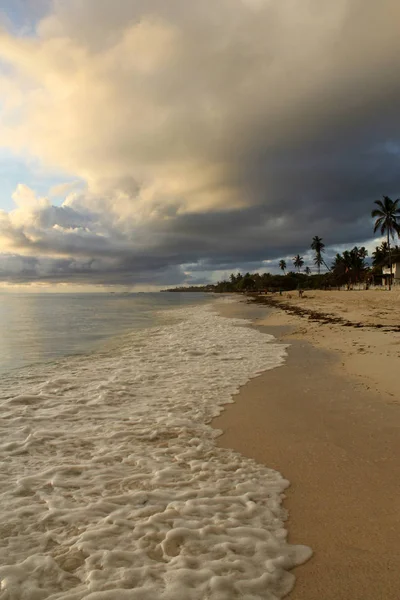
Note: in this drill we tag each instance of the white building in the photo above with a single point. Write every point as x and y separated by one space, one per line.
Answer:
395 271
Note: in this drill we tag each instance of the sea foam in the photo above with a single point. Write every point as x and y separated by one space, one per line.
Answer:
113 486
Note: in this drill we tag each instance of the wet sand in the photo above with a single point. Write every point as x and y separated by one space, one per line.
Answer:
339 445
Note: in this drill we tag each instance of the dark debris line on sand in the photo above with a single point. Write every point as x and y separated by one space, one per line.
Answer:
314 315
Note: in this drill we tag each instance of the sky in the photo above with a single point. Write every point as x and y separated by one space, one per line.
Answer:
146 143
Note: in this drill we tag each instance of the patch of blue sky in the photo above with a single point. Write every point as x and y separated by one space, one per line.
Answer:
22 16
15 170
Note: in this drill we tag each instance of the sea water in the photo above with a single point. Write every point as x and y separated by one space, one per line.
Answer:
41 327
113 487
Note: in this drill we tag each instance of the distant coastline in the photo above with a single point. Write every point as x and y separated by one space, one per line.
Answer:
192 288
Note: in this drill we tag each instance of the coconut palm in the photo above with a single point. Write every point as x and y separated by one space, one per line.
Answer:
298 262
387 221
318 246
350 267
307 271
380 254
282 265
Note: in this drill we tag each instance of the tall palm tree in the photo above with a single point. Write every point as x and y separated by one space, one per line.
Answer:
387 221
298 262
318 246
282 265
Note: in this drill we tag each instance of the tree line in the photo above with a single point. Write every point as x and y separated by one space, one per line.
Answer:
348 268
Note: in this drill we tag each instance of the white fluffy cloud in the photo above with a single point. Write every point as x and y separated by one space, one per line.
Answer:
193 123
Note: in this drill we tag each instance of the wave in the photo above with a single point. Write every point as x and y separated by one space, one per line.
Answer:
113 486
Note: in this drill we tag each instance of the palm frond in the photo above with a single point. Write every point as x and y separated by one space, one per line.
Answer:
396 207
380 204
379 223
388 203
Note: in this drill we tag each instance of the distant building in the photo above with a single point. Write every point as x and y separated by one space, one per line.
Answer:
395 271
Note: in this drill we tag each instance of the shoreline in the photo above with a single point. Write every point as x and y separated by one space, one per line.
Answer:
337 442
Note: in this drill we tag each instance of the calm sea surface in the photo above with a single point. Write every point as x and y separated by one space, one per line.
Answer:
41 327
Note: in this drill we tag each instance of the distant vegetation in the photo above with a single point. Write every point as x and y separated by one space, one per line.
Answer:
254 282
348 269
192 288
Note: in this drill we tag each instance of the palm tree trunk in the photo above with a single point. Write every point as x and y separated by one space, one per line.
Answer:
390 260
329 269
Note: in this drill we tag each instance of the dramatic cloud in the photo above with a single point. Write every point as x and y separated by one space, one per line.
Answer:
210 135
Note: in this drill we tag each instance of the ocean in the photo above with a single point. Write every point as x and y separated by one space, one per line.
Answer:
41 327
113 487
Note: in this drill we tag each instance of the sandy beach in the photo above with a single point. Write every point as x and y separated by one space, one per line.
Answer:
329 421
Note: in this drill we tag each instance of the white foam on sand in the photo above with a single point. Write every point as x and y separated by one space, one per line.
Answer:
113 487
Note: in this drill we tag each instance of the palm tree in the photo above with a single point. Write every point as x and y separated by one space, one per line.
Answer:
307 271
387 221
282 265
298 262
318 246
350 267
379 256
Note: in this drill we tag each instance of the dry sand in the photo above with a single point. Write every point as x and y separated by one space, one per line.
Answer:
369 354
330 423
